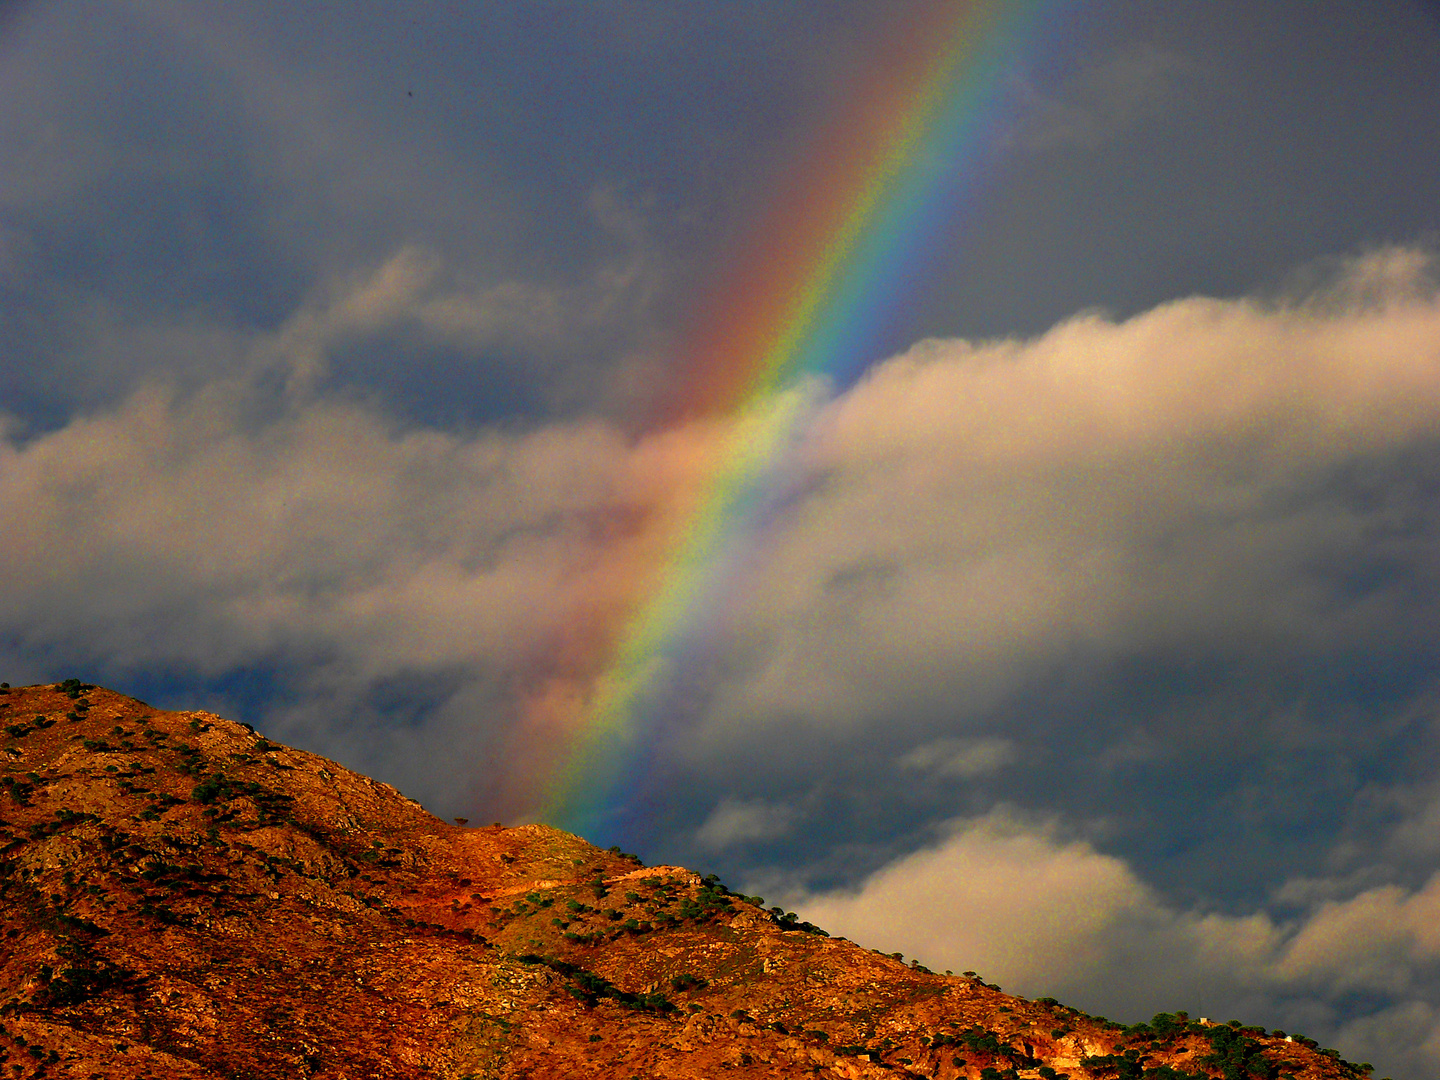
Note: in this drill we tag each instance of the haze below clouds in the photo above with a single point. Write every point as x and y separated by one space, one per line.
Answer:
1092 647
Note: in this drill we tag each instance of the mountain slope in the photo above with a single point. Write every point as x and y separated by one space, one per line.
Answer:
181 897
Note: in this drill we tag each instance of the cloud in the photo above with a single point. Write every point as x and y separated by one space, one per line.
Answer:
996 896
263 183
1200 476
1405 1037
415 287
960 759
972 512
1379 940
1047 914
256 517
736 821
224 526
1107 99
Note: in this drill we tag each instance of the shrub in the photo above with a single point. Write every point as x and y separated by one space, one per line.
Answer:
217 788
73 688
1237 1055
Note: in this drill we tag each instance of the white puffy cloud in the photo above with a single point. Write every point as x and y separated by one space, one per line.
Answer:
996 895
1187 477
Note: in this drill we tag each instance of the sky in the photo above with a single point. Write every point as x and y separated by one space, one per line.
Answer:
1087 638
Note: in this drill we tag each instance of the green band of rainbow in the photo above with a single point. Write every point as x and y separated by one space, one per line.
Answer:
804 310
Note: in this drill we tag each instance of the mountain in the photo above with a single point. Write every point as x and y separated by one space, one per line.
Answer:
181 897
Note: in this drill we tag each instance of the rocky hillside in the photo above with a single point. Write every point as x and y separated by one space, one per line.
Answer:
183 898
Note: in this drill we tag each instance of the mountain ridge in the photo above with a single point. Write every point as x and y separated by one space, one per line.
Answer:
182 897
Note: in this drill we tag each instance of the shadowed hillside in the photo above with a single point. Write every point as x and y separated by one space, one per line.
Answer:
183 898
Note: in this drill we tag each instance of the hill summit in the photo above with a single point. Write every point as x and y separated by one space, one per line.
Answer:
182 897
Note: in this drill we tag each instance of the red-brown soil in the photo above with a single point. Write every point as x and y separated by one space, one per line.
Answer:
183 898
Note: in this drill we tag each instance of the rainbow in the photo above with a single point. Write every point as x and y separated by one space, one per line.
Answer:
802 312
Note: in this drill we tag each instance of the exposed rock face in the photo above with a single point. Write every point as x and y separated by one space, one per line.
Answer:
183 898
